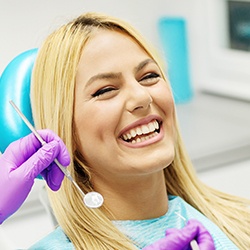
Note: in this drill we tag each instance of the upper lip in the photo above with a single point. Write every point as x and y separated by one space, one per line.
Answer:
140 122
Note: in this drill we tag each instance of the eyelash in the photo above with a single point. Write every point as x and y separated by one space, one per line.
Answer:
102 91
148 77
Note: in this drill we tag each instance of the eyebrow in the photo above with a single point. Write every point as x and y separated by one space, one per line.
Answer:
103 76
108 76
143 64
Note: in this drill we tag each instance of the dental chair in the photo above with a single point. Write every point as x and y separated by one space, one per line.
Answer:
15 85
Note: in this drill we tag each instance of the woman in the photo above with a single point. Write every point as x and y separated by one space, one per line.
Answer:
108 99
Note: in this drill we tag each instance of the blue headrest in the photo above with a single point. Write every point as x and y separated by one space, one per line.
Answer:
15 86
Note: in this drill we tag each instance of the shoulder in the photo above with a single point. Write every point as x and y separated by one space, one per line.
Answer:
54 241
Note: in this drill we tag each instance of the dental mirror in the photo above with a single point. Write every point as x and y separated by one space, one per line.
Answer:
91 199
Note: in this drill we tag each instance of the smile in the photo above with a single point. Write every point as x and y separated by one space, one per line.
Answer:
142 133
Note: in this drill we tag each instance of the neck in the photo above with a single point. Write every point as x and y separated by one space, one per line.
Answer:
141 198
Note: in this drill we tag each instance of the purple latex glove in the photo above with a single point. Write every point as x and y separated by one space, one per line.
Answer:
22 161
179 239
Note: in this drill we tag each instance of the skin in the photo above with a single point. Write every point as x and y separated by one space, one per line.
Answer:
119 87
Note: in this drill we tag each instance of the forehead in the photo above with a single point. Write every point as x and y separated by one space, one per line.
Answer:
101 38
108 49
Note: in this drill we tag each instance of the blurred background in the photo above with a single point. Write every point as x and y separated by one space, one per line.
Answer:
212 97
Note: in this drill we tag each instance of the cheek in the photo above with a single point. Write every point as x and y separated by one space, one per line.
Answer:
88 137
96 135
163 97
86 127
95 123
84 123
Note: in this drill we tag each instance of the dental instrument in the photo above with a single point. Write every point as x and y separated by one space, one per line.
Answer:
91 199
193 243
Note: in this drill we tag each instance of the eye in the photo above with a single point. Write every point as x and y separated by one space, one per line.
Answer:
150 78
103 91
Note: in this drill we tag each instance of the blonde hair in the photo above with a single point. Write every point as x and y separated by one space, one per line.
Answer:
52 98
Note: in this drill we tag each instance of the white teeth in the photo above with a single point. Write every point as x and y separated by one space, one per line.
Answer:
144 129
152 126
125 137
133 133
156 124
138 131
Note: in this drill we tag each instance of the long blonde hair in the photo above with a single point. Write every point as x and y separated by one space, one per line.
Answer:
52 98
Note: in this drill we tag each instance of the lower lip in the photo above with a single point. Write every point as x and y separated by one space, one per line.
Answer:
148 142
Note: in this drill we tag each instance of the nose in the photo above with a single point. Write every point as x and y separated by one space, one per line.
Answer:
138 97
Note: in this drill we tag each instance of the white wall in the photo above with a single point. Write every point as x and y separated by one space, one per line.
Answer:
232 178
24 24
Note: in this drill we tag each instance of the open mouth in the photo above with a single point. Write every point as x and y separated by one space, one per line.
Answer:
142 132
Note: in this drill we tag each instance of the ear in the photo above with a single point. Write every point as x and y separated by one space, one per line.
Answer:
15 86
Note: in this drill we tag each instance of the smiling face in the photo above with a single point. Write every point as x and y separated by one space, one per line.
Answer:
124 111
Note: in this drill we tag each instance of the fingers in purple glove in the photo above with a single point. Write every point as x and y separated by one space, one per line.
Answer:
173 241
63 155
29 159
22 161
195 230
39 161
203 238
19 151
52 174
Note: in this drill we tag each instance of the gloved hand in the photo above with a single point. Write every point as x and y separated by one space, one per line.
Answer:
179 239
22 161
